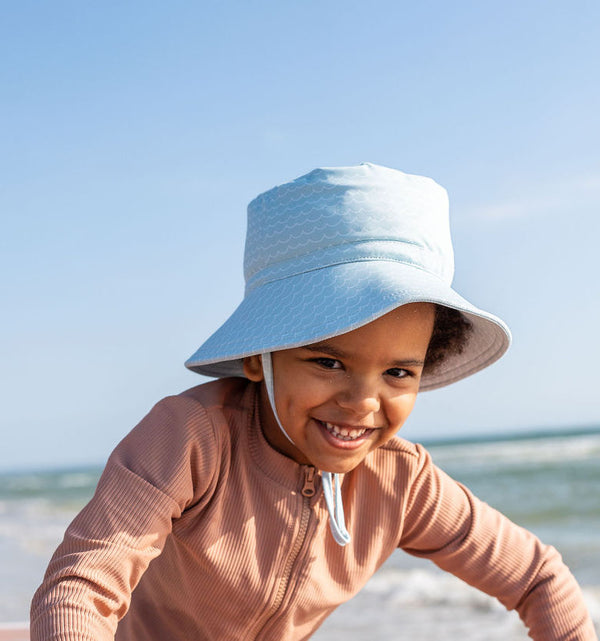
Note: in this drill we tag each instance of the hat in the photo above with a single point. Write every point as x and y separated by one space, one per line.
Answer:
334 250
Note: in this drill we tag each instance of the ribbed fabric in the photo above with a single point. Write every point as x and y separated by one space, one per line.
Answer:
208 526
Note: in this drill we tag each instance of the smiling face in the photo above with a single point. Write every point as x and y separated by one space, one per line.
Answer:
343 397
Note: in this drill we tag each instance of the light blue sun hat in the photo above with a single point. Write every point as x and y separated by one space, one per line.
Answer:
334 250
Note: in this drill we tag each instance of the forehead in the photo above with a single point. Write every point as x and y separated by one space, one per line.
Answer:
406 328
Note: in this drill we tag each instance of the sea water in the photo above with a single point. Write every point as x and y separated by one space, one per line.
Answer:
549 483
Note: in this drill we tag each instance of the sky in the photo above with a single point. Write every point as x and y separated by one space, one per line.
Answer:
134 134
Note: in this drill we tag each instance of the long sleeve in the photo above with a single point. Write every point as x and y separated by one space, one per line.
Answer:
464 536
165 464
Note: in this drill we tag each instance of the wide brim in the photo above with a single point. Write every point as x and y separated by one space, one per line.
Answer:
319 304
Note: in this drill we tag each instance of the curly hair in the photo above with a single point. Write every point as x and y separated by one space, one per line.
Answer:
451 331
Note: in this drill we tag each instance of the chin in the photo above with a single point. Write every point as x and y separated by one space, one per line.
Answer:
339 467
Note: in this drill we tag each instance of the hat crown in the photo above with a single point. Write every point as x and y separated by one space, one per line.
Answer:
348 214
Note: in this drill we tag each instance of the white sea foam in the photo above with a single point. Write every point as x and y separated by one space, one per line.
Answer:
568 449
424 603
30 530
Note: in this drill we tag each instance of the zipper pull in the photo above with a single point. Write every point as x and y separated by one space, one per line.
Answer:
308 489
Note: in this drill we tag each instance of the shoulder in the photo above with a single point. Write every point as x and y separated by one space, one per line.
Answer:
187 422
401 446
180 444
405 468
221 394
403 452
398 463
202 406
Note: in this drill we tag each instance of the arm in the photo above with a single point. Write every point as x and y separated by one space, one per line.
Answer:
165 464
462 535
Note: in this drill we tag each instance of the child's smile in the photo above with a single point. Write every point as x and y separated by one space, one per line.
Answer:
341 398
346 432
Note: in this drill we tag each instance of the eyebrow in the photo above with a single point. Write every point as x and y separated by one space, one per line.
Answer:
336 353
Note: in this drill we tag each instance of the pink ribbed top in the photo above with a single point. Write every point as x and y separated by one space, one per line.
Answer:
200 530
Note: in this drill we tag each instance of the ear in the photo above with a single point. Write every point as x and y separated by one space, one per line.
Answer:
253 368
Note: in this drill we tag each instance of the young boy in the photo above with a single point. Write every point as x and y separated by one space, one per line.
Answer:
250 507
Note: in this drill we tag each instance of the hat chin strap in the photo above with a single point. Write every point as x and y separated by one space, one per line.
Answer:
332 499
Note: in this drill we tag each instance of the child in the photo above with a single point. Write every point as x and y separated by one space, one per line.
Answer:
251 506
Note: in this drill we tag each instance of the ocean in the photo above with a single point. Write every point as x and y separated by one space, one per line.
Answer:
548 483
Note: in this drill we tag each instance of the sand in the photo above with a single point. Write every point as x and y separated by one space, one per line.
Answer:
14 633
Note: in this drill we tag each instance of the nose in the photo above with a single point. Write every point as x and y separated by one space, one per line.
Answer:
360 396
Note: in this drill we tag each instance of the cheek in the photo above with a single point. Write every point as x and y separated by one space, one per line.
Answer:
299 397
310 391
401 409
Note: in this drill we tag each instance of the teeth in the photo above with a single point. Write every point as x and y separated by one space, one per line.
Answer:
343 433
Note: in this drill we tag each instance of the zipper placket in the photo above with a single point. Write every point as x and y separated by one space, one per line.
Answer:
308 491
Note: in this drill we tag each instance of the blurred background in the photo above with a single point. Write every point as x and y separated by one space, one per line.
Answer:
135 133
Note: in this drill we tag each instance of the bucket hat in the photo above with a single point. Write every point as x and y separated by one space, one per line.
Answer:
334 250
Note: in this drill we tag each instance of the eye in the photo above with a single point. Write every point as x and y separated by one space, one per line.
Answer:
327 363
398 372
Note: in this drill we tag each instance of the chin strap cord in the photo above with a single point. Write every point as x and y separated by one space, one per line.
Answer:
335 506
334 503
267 366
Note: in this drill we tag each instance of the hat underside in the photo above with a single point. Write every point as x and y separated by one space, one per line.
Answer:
322 303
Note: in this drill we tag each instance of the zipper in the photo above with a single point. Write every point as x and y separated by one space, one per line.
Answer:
308 491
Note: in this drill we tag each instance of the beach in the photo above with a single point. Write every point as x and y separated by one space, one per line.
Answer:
14 632
548 483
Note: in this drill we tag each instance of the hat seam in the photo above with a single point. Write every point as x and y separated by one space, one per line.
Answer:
365 259
275 263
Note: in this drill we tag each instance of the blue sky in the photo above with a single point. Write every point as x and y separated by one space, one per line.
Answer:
135 133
